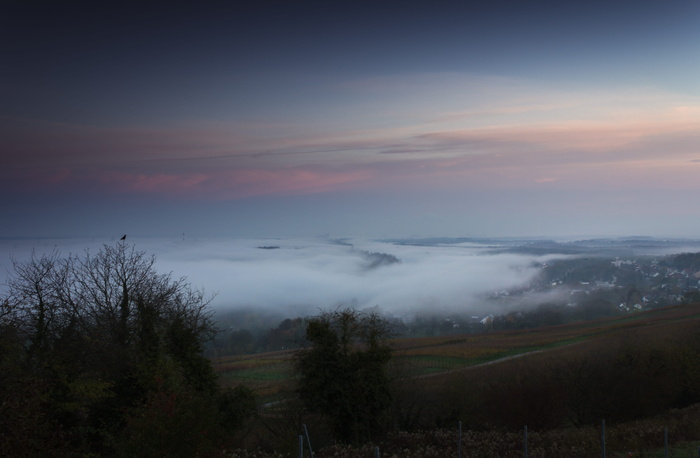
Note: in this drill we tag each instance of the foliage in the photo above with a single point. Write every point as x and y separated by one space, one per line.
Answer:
171 422
343 375
684 261
105 342
236 406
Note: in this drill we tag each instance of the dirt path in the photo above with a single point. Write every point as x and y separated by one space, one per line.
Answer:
495 361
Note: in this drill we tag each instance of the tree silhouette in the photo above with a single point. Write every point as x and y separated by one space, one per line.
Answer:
343 375
101 337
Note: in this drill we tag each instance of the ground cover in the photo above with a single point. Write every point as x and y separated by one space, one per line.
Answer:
432 355
496 382
270 373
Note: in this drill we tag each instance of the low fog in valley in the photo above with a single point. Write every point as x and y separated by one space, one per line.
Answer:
287 278
296 277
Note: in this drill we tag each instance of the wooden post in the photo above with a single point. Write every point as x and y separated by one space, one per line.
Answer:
602 439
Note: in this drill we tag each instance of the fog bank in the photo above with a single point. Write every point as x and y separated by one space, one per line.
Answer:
299 276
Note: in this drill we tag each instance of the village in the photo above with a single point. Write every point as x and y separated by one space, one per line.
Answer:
567 290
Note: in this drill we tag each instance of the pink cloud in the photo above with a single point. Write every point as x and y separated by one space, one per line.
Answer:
149 184
564 136
232 184
297 180
219 160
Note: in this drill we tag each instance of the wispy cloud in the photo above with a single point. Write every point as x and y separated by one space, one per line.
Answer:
466 131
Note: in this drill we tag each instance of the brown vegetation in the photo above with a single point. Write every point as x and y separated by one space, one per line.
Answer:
632 371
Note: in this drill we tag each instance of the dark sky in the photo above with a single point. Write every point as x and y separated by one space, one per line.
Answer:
362 118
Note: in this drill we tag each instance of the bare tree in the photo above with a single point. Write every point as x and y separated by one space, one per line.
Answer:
106 340
107 295
34 303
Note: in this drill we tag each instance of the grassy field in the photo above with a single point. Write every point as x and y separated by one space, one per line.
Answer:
270 373
442 374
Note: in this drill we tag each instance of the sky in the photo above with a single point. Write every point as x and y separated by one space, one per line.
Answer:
367 119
